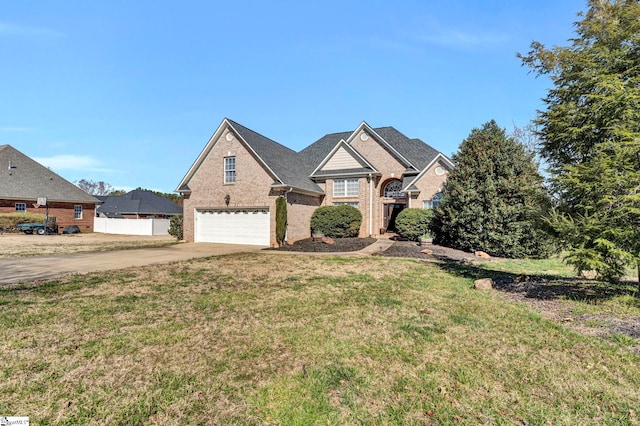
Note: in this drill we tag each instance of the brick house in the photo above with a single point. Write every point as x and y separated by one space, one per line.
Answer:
231 188
23 181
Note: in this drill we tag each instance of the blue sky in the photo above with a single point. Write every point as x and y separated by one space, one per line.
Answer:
129 92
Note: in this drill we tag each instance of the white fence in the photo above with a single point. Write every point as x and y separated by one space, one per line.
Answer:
131 226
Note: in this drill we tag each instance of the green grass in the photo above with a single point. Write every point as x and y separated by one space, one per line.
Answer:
273 339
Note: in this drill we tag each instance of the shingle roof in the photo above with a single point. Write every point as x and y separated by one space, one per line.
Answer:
292 169
138 202
287 164
315 153
23 178
414 150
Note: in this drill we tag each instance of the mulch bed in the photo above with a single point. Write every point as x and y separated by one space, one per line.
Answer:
340 245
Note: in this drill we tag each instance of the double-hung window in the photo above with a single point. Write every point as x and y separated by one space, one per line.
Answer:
21 207
77 212
230 170
345 188
434 202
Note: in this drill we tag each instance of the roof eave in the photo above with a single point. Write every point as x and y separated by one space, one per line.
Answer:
435 159
296 189
370 129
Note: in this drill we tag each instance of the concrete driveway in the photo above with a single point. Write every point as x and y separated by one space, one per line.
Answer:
14 270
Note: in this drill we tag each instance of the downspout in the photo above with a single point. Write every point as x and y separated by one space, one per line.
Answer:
370 205
409 197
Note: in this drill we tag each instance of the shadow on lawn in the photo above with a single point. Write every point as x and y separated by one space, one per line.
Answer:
544 286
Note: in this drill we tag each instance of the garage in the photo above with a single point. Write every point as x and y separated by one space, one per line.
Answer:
233 226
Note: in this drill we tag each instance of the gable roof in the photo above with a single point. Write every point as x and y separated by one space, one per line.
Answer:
315 153
138 202
412 153
22 178
418 152
362 166
283 164
297 170
409 182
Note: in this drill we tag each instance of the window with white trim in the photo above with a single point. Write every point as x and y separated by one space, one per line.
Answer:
346 188
21 207
349 203
77 211
394 189
434 202
230 170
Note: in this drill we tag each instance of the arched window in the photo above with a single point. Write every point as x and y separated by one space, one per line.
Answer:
434 201
393 189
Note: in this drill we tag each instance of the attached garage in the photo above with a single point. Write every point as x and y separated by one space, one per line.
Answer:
233 226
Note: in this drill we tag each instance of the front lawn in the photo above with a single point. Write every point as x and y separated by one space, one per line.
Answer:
293 339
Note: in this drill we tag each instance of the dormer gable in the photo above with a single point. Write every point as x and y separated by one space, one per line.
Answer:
365 132
343 160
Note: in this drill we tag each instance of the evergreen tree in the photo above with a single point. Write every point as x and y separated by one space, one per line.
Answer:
590 136
493 198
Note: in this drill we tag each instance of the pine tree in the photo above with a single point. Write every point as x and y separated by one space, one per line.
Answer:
493 198
590 136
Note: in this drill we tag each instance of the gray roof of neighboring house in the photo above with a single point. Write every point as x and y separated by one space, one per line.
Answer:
22 178
138 202
283 161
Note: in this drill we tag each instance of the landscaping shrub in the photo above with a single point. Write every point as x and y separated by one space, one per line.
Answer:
494 200
281 220
11 220
413 223
336 221
175 226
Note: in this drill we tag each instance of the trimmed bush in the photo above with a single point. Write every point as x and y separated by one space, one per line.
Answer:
175 227
336 221
281 220
413 223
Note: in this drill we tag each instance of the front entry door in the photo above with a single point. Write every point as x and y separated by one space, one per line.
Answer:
390 213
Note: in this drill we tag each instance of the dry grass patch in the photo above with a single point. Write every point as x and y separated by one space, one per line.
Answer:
277 339
21 245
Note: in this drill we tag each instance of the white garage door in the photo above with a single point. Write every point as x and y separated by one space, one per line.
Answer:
233 226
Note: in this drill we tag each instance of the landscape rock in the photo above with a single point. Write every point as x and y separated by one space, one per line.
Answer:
426 251
590 275
483 284
327 240
482 255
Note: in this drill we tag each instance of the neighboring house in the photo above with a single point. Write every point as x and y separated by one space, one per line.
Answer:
137 204
23 181
231 188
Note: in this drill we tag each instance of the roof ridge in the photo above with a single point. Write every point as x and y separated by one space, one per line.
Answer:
235 123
